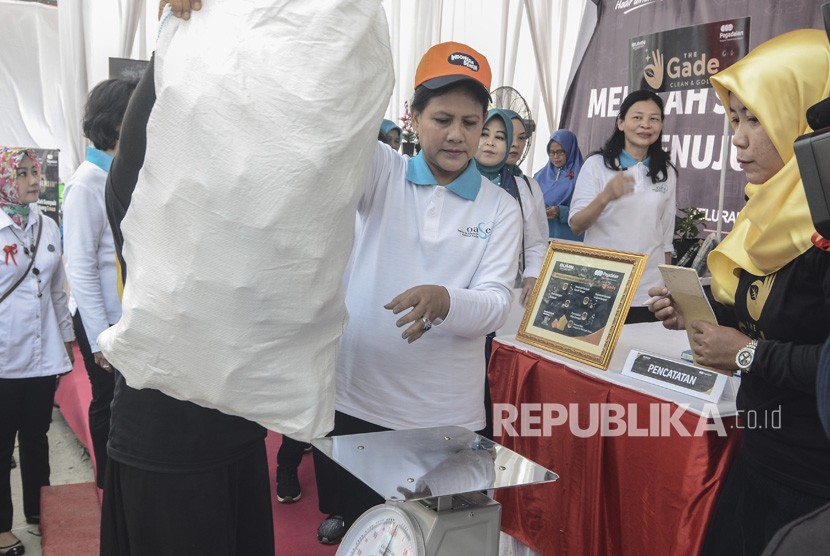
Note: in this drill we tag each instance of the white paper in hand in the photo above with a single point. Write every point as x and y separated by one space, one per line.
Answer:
688 295
242 220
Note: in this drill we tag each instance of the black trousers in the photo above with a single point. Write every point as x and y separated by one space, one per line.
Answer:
751 508
338 491
223 512
290 454
103 384
25 413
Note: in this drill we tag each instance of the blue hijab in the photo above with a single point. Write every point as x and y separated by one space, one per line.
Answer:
514 168
500 173
388 125
559 191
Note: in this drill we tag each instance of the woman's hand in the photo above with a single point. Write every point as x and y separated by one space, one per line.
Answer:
527 289
552 212
717 346
664 309
69 351
102 362
620 185
428 303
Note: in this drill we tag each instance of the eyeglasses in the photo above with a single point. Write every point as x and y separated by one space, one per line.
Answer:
557 153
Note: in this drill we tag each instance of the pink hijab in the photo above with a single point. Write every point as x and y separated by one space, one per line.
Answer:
10 158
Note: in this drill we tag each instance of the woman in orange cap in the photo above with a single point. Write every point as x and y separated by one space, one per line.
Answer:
434 229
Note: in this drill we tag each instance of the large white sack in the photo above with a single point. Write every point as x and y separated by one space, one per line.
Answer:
241 223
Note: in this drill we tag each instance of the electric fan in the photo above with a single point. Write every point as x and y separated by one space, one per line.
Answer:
508 98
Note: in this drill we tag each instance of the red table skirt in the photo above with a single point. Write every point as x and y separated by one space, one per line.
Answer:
623 494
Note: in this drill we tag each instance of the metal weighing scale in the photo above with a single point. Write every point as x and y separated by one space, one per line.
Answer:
432 480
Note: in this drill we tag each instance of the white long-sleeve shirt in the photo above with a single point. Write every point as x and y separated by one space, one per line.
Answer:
90 249
411 234
33 328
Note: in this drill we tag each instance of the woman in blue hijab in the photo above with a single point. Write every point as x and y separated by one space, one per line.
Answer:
390 134
491 160
557 180
494 149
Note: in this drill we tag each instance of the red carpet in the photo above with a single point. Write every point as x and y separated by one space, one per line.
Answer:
68 513
70 519
295 525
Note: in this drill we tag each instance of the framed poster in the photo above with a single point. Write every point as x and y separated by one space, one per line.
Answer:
580 301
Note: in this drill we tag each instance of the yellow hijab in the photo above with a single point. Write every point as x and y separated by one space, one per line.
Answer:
777 82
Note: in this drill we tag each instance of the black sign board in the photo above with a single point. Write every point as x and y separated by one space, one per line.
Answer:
674 373
685 58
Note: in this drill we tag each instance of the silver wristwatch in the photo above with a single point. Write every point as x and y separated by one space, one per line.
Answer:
745 356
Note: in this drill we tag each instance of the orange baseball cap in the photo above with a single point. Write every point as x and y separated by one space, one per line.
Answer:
448 62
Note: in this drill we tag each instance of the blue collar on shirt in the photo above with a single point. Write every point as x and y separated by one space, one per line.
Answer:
101 159
465 186
627 161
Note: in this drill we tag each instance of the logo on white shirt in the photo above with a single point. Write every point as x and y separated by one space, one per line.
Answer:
482 230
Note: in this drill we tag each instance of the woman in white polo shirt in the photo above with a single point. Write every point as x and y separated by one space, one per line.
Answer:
431 274
625 194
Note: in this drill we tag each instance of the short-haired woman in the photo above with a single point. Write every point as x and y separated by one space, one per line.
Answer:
90 253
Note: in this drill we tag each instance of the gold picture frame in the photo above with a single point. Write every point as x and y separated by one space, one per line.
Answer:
580 301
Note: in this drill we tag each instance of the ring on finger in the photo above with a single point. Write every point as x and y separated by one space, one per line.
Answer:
427 323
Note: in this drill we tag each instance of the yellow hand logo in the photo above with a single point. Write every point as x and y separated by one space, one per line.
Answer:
653 72
757 296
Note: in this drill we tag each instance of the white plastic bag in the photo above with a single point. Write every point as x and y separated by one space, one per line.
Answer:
241 223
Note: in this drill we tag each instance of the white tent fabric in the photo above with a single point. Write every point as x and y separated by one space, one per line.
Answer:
30 102
129 12
530 45
73 85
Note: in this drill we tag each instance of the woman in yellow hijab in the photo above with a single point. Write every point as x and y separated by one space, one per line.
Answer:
772 285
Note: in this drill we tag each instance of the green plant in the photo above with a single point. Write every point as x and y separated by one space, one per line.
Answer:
689 226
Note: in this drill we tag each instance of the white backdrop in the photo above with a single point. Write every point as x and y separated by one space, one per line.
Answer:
52 56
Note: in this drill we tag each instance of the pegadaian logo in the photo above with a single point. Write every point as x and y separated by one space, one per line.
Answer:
728 33
461 59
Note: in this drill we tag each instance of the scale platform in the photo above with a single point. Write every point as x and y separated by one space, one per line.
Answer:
434 481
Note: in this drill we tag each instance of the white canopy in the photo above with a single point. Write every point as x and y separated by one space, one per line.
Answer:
53 56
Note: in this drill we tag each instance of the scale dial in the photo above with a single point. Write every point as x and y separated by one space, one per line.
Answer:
384 530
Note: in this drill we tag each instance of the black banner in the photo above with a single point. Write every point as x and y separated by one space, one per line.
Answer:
693 129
